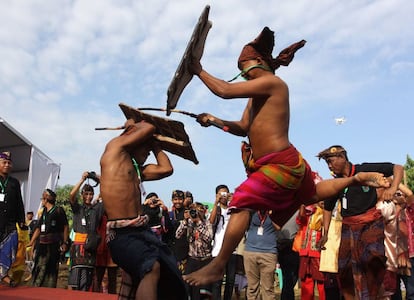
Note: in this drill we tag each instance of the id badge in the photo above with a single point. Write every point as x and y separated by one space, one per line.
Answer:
260 230
83 222
2 196
43 228
344 203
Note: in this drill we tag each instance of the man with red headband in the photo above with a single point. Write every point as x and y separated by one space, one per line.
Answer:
11 212
279 179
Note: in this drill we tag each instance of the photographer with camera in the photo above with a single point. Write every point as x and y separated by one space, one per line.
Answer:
86 220
199 234
157 212
178 213
219 218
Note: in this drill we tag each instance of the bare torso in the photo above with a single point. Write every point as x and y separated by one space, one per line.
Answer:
120 190
269 120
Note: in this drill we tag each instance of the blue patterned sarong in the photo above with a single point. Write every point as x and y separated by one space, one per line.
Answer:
8 250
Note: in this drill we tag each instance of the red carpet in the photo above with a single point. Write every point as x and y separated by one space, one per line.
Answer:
28 292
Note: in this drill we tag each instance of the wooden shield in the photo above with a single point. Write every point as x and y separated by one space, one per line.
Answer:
195 49
170 133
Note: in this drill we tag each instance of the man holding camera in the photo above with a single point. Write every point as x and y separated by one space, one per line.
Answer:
199 233
159 219
179 246
219 218
86 219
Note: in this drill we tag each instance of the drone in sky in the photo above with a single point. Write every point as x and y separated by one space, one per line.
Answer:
340 120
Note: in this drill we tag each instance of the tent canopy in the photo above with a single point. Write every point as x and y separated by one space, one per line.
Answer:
11 140
35 170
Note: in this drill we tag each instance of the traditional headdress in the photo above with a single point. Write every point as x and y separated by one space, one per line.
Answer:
331 151
177 194
5 155
262 47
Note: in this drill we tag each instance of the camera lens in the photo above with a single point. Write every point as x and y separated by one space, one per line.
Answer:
193 213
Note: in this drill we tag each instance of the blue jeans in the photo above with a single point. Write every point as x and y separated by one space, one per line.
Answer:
230 276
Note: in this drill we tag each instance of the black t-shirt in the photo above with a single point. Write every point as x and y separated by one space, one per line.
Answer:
32 226
53 221
86 219
356 200
178 246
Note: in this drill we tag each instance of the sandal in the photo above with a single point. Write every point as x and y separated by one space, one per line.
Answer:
8 281
12 283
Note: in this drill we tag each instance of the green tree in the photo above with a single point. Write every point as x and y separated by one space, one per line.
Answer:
409 172
62 199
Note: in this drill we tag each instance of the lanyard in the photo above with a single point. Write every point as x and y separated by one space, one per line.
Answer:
344 199
48 213
141 186
262 218
352 171
3 187
350 175
134 162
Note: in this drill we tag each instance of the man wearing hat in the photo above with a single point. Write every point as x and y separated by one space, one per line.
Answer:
279 179
11 212
188 199
51 237
179 246
361 255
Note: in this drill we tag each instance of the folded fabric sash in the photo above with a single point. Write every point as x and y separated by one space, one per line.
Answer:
285 174
80 238
122 223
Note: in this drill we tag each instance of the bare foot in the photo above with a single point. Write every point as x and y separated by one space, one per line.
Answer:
208 274
372 179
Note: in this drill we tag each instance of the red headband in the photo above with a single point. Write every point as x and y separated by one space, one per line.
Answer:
262 46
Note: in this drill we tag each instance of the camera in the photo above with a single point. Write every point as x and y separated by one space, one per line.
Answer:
154 200
223 194
193 213
92 175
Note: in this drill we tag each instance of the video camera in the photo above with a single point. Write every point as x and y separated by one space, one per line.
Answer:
92 175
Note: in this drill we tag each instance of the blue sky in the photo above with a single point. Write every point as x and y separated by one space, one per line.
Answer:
67 64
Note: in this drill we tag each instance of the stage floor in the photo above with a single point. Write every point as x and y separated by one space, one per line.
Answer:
41 293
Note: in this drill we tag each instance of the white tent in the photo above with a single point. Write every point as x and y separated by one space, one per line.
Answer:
34 169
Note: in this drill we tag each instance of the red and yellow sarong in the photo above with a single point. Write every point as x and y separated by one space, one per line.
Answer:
280 182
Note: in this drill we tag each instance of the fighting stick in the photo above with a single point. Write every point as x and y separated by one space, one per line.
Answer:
193 115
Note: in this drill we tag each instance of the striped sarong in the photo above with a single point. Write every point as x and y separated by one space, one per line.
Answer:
280 182
361 258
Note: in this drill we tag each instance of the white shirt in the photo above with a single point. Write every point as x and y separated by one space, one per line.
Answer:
221 229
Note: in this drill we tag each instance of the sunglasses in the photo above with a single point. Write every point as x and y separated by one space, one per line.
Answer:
244 72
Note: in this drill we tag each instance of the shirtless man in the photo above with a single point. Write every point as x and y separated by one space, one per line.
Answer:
279 179
133 246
